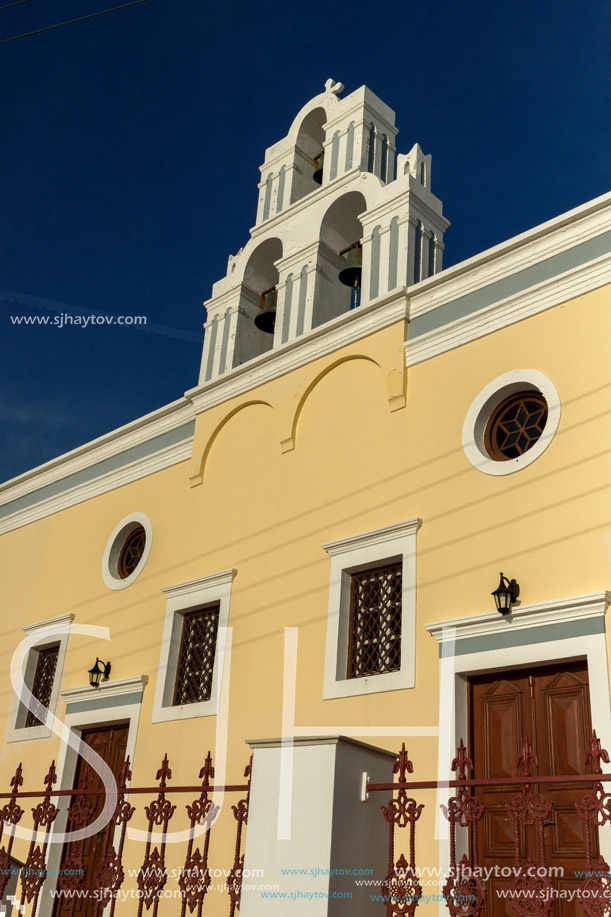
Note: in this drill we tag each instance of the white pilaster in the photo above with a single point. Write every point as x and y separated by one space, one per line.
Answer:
330 828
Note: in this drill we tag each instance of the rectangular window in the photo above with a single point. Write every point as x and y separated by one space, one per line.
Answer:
375 621
42 686
196 656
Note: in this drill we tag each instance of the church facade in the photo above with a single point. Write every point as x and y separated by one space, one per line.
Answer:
298 560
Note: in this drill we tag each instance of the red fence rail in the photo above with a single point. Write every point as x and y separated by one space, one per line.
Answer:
109 875
465 892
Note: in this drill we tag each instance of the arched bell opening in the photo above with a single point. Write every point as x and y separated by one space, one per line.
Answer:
261 277
309 154
340 258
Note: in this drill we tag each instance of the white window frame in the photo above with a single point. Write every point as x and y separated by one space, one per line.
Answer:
478 415
43 633
114 546
214 589
351 555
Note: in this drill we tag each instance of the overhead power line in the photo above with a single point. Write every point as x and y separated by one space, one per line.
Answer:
58 25
7 6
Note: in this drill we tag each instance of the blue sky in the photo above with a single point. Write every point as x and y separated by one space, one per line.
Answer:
131 147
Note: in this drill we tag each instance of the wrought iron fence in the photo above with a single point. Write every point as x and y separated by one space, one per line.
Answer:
103 886
465 891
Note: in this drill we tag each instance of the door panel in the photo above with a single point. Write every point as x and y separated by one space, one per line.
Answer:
110 742
550 706
502 728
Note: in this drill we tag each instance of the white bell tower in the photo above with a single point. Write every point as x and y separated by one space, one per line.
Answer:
333 195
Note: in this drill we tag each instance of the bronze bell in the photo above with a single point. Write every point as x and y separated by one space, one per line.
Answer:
266 318
351 274
318 162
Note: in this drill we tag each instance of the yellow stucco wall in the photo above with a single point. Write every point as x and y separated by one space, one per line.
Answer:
356 465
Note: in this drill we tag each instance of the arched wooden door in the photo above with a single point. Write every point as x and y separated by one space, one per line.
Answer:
551 706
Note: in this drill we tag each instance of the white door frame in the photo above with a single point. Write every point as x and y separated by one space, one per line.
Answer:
532 635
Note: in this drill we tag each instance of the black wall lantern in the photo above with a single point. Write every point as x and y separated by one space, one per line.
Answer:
100 670
505 595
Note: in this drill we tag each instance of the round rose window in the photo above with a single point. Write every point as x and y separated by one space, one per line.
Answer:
515 425
131 552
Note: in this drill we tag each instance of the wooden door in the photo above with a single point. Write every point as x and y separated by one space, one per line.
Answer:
110 742
551 706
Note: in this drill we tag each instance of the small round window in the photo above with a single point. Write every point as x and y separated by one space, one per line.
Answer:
511 422
131 552
127 551
515 426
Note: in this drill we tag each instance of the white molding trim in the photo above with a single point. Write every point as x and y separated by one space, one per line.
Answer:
211 581
132 685
54 630
59 622
516 308
486 402
139 431
576 608
515 254
322 340
114 545
214 588
357 552
165 458
377 536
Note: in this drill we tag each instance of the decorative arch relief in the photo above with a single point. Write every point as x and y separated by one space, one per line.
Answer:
288 408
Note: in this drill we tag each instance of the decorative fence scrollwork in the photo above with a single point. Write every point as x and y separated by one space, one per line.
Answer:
11 814
34 870
465 893
109 877
110 873
401 889
595 808
531 889
240 813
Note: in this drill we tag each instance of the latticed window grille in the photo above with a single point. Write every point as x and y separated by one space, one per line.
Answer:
375 621
44 676
516 425
196 657
131 552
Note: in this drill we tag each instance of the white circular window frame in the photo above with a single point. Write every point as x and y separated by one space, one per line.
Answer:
488 400
110 561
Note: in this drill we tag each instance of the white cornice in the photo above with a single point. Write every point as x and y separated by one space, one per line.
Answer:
139 431
592 604
314 197
515 254
211 581
301 741
62 621
133 685
327 338
171 455
377 536
508 311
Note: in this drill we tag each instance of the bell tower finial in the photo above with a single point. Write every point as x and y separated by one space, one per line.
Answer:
332 86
